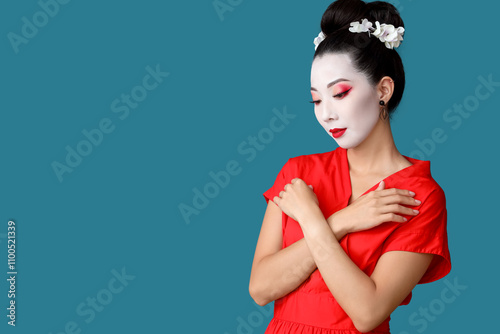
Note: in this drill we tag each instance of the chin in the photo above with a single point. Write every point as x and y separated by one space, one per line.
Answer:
349 142
346 145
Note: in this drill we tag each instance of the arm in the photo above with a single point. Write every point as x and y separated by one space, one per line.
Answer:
368 300
275 271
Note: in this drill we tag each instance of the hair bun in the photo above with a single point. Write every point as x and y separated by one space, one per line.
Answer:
384 12
340 14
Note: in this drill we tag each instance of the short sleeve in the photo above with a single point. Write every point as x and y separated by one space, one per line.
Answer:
285 175
425 233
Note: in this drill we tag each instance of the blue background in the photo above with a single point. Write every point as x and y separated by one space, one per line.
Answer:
118 209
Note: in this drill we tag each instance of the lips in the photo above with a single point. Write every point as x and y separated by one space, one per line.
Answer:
337 132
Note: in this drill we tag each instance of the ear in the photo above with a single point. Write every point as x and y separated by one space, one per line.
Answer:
385 89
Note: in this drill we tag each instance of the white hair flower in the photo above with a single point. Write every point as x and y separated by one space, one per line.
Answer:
364 26
386 33
319 39
389 34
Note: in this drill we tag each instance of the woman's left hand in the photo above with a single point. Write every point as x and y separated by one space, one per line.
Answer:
297 200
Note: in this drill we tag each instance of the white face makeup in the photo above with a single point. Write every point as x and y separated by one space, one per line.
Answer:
344 99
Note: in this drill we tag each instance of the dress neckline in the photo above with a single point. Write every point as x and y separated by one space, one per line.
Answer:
417 166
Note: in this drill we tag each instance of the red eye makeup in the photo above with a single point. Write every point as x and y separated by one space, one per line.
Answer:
342 90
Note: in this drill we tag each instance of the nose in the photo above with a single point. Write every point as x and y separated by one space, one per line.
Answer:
328 113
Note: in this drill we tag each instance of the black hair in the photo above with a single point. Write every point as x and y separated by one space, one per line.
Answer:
369 55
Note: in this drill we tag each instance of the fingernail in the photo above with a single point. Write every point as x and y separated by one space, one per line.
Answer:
405 219
412 193
416 211
418 202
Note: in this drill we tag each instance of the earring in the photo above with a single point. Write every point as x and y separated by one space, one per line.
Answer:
383 113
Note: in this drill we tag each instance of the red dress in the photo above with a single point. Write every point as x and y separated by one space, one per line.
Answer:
311 307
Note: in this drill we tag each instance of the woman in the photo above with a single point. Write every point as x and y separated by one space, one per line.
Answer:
347 234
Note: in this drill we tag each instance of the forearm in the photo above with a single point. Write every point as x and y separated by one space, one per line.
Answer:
352 288
282 272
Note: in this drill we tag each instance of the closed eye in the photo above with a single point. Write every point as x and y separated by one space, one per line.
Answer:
341 95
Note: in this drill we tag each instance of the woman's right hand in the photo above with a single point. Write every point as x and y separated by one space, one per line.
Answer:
374 208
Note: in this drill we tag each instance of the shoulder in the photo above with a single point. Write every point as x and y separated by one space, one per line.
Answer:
432 209
432 216
429 190
419 179
435 197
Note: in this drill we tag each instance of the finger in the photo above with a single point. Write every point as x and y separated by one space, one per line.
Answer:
392 217
310 186
399 209
396 191
400 199
381 185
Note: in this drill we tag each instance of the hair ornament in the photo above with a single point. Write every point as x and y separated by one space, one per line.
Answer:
319 39
386 33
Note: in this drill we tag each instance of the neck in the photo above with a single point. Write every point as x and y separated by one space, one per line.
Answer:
377 154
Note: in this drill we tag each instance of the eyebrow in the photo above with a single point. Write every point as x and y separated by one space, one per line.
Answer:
331 83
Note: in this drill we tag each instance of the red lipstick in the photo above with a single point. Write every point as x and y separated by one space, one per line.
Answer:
336 133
